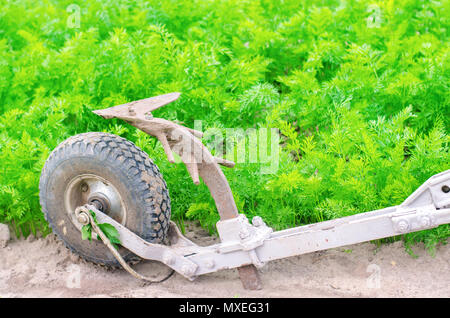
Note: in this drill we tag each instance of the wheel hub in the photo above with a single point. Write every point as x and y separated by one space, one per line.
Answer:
100 201
97 191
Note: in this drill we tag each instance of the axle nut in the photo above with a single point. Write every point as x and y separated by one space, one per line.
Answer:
83 218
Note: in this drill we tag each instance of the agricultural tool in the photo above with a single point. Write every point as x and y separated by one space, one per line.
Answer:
94 178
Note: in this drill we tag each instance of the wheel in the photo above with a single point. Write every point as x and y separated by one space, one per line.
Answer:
118 177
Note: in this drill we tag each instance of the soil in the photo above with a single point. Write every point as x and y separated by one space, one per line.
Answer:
44 267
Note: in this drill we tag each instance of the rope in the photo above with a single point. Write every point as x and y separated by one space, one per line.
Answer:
119 258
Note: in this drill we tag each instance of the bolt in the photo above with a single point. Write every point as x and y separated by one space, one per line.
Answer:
188 270
425 222
403 226
244 234
84 187
257 221
131 111
445 189
83 218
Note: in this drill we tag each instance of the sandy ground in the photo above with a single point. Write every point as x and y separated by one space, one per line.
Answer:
45 268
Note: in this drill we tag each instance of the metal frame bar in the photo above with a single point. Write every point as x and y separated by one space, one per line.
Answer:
244 244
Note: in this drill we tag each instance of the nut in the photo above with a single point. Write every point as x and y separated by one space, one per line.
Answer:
257 221
244 234
188 270
403 225
83 218
84 187
425 221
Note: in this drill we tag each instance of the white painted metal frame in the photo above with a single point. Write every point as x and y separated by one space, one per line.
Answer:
243 243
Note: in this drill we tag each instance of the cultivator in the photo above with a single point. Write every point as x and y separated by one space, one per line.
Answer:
86 171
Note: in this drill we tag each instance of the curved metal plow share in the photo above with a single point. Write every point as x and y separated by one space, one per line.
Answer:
198 160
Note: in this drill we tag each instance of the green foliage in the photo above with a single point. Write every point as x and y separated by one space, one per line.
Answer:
360 96
109 230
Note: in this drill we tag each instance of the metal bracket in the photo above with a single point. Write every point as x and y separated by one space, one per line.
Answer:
238 234
434 191
411 220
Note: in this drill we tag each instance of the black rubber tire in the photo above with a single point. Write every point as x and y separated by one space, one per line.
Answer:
130 171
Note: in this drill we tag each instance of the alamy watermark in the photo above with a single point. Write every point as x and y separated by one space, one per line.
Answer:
74 278
74 19
253 145
374 279
374 19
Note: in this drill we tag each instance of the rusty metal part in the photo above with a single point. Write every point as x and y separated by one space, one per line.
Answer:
183 141
250 277
138 107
